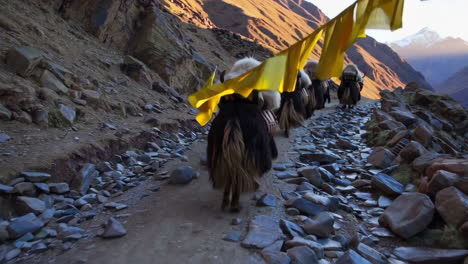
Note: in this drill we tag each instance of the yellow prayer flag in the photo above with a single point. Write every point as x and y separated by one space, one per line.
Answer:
279 73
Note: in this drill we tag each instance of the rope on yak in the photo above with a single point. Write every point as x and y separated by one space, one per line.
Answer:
279 73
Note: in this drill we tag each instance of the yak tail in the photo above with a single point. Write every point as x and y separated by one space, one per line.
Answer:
289 118
312 104
234 167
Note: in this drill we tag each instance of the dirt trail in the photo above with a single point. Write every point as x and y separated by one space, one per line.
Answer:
177 224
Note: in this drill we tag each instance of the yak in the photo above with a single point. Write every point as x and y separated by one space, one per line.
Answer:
241 146
352 82
292 111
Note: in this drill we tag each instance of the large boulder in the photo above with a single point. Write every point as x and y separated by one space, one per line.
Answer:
413 150
23 60
392 125
387 184
381 157
462 185
458 166
421 163
452 205
160 45
408 215
441 180
431 255
423 134
381 116
405 117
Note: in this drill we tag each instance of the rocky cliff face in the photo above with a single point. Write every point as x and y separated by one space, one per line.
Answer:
78 73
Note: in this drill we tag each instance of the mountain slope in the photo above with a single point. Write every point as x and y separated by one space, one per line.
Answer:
457 86
435 57
276 24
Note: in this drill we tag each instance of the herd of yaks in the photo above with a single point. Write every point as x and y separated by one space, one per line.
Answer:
241 143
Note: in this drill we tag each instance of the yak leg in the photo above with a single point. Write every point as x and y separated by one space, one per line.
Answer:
226 196
235 205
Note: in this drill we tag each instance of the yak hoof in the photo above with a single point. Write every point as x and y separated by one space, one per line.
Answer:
224 204
235 208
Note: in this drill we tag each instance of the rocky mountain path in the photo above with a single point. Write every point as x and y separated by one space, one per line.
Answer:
316 203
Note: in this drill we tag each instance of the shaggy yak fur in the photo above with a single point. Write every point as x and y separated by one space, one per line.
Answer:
349 92
293 104
316 91
240 148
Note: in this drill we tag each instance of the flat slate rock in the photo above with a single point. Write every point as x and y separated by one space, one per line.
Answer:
275 247
5 188
431 255
36 176
4 137
302 255
276 257
299 241
330 244
263 231
307 207
287 175
291 229
384 201
387 184
371 254
24 224
232 236
267 200
59 188
27 205
363 196
352 257
322 158
279 167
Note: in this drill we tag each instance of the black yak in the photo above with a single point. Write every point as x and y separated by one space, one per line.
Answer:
241 146
349 92
293 104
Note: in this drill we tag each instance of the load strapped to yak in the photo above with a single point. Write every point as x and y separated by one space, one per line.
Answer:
235 158
352 82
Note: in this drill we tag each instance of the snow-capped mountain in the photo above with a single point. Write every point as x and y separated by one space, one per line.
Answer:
435 57
425 37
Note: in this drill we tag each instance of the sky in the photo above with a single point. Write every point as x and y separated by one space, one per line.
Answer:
446 17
